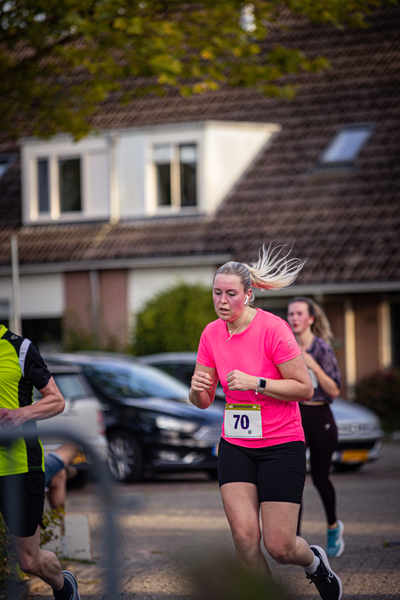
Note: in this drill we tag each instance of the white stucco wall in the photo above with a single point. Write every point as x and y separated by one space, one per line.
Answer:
229 149
225 150
143 284
131 170
41 296
118 173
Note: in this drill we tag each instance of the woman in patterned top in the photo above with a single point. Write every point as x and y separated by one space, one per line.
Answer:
313 333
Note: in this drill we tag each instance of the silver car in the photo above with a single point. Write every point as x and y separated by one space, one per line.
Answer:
359 428
82 416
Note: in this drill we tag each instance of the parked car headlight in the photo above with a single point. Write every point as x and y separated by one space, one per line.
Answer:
172 424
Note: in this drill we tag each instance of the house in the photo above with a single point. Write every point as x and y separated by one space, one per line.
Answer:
170 188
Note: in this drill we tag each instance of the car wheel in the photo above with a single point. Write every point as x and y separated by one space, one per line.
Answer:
125 459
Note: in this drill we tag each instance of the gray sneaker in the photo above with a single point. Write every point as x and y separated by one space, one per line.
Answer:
325 580
74 584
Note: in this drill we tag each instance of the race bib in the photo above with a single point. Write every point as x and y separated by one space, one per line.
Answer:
243 421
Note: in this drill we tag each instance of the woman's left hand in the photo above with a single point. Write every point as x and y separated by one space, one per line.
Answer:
237 380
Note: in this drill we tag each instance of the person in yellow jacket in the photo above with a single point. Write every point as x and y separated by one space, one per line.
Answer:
22 463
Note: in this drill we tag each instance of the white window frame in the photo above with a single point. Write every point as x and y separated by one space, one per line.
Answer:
175 178
61 147
174 139
54 211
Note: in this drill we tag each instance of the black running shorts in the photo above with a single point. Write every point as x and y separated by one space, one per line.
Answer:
279 472
22 502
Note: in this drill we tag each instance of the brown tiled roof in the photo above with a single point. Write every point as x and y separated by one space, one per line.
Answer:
346 220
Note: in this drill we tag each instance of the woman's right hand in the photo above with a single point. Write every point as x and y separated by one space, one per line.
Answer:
201 382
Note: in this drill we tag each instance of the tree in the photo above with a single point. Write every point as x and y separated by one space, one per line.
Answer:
381 393
172 321
60 59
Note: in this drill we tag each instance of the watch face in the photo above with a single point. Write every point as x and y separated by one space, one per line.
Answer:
263 383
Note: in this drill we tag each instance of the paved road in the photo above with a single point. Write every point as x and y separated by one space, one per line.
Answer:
180 522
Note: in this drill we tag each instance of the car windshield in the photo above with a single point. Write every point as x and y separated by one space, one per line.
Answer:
71 386
129 380
180 371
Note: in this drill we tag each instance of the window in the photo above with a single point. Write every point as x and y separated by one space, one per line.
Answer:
47 332
69 174
187 163
176 175
347 144
65 181
43 185
69 184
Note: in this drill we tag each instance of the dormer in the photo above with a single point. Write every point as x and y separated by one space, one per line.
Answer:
179 169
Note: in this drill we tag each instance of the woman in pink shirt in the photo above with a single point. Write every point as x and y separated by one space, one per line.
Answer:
261 461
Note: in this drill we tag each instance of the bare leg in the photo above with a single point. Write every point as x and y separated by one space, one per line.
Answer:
33 560
58 484
242 509
57 489
279 524
67 452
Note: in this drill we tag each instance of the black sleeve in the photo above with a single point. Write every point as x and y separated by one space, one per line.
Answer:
36 371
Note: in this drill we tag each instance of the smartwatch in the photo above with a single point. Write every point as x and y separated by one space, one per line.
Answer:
261 383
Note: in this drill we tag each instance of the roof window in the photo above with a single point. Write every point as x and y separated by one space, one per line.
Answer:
346 145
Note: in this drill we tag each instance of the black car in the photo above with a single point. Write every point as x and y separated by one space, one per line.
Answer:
150 424
359 429
179 365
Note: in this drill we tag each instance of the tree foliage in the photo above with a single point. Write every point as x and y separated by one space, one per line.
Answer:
172 321
60 59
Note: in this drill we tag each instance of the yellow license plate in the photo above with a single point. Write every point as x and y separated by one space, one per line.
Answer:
79 459
354 456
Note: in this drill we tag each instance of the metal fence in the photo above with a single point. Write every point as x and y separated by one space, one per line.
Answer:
108 498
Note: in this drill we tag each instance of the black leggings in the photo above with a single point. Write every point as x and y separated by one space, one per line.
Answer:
321 437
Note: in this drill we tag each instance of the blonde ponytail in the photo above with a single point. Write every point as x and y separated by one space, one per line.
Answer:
274 270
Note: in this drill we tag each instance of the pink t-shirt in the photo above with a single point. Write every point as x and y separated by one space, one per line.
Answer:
267 342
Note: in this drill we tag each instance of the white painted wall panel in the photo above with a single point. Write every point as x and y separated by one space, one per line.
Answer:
42 296
130 160
229 150
98 193
143 284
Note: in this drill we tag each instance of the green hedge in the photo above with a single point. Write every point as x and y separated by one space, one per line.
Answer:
173 320
381 393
